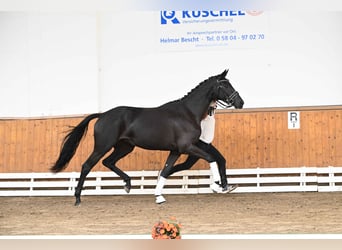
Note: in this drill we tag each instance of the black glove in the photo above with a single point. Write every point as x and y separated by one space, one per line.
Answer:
211 111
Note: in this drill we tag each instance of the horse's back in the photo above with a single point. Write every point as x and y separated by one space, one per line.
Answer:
150 128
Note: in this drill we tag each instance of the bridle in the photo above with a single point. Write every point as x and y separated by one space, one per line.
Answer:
231 98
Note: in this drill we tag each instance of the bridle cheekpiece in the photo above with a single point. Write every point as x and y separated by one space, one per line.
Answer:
231 98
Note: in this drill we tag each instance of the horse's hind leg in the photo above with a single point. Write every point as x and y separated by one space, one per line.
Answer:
86 167
122 149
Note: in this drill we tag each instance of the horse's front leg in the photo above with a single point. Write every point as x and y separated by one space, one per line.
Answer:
171 159
218 174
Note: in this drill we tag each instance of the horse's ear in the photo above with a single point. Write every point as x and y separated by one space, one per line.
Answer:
223 74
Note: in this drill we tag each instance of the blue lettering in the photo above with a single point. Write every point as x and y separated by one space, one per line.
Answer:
212 13
196 13
224 13
206 13
186 14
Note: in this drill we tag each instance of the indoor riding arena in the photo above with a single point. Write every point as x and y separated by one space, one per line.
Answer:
289 180
283 148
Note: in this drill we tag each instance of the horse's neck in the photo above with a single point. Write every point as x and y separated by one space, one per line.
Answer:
197 105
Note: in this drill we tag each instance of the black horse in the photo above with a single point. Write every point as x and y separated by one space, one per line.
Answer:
174 127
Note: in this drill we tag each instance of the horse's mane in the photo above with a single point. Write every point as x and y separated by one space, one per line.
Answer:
191 91
197 87
194 89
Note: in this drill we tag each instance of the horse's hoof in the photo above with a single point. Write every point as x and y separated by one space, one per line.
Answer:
160 199
127 189
77 203
127 186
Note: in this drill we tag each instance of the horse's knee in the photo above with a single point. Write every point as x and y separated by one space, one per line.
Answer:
166 172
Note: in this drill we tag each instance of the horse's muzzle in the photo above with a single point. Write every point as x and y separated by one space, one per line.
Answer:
238 103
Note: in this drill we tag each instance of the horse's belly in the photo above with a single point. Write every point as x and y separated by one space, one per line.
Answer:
156 143
159 134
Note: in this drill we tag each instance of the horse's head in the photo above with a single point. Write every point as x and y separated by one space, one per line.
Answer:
225 94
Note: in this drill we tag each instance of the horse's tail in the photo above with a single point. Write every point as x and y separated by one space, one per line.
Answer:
71 142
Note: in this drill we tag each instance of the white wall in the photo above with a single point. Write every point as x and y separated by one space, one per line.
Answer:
300 64
48 64
66 63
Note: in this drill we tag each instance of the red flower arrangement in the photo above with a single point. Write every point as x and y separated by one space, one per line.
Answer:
166 230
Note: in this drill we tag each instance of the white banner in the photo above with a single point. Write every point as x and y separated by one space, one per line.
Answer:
188 30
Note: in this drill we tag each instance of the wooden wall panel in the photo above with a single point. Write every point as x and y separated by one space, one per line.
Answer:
247 138
338 158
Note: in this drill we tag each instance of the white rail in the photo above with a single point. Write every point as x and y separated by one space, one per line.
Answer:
325 179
